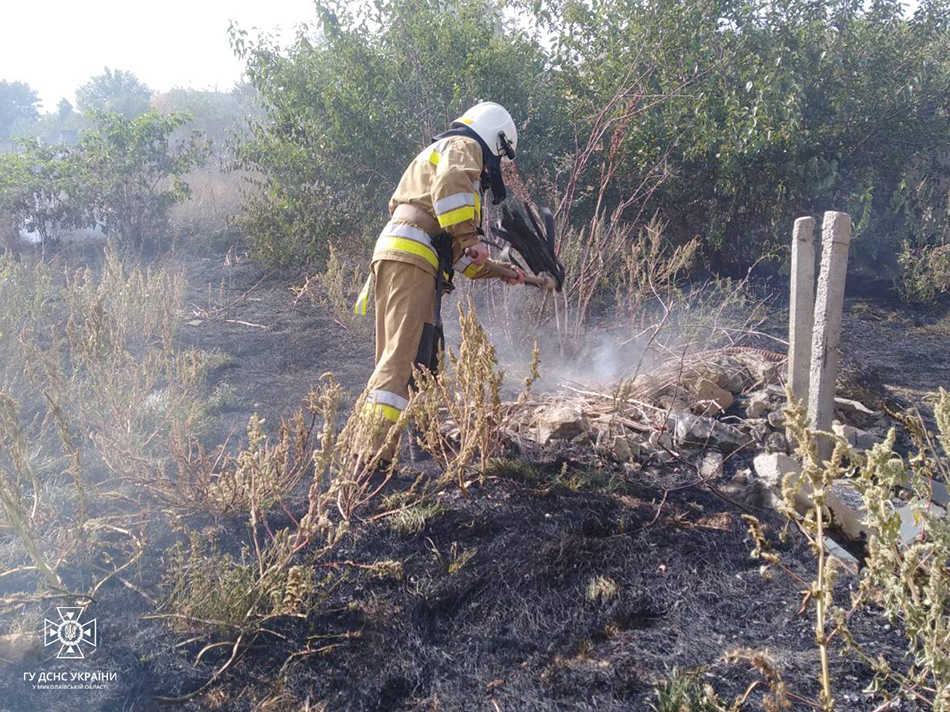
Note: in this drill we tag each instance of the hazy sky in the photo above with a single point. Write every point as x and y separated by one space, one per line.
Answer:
57 45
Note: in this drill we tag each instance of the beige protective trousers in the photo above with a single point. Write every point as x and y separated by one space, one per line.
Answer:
405 303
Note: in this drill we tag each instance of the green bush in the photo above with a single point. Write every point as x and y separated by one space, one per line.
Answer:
136 174
729 117
344 114
123 175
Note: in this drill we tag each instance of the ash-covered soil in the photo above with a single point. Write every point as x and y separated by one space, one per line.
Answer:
512 628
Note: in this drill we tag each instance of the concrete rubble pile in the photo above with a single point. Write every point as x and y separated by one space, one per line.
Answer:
728 404
705 410
722 401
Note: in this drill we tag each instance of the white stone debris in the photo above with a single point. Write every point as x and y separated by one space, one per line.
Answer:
560 422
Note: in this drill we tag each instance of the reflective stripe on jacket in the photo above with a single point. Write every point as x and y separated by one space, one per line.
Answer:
443 180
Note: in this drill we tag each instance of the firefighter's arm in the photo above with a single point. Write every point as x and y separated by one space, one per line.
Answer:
455 198
454 191
491 269
457 205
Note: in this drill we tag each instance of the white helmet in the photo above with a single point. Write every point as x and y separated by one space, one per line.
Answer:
494 125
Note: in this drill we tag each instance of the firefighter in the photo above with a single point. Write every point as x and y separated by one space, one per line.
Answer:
433 231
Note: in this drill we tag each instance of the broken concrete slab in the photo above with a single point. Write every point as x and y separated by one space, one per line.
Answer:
847 510
844 502
745 487
912 523
758 429
843 555
626 448
697 431
710 464
847 405
857 438
772 468
940 493
913 519
559 422
711 399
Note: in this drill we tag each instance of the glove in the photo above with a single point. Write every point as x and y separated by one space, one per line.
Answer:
478 253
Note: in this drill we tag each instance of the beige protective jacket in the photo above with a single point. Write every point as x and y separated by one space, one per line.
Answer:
439 191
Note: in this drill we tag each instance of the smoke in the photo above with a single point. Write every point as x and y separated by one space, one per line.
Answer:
616 346
601 358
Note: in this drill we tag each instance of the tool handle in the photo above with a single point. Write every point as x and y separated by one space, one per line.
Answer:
543 280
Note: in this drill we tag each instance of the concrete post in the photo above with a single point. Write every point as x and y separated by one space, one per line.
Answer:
835 239
801 307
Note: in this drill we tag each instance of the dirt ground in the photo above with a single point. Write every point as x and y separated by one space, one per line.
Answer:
512 629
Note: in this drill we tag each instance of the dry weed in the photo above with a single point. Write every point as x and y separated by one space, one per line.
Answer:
459 411
925 273
337 288
88 357
906 578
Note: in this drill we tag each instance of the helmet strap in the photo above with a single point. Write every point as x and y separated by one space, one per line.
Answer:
492 162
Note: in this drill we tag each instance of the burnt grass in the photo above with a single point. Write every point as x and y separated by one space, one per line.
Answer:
513 628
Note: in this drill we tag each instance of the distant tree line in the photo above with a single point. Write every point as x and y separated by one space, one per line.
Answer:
727 117
116 162
216 113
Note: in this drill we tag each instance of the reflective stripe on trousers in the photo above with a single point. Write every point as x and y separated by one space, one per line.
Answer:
390 405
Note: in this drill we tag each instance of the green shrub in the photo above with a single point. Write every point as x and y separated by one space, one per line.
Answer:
925 273
343 115
124 175
137 175
728 118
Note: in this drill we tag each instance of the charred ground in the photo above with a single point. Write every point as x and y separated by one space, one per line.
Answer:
491 606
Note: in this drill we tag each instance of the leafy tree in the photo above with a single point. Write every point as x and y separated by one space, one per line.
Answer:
14 199
114 92
46 189
64 109
136 173
787 108
18 102
60 190
217 114
728 117
345 111
124 175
